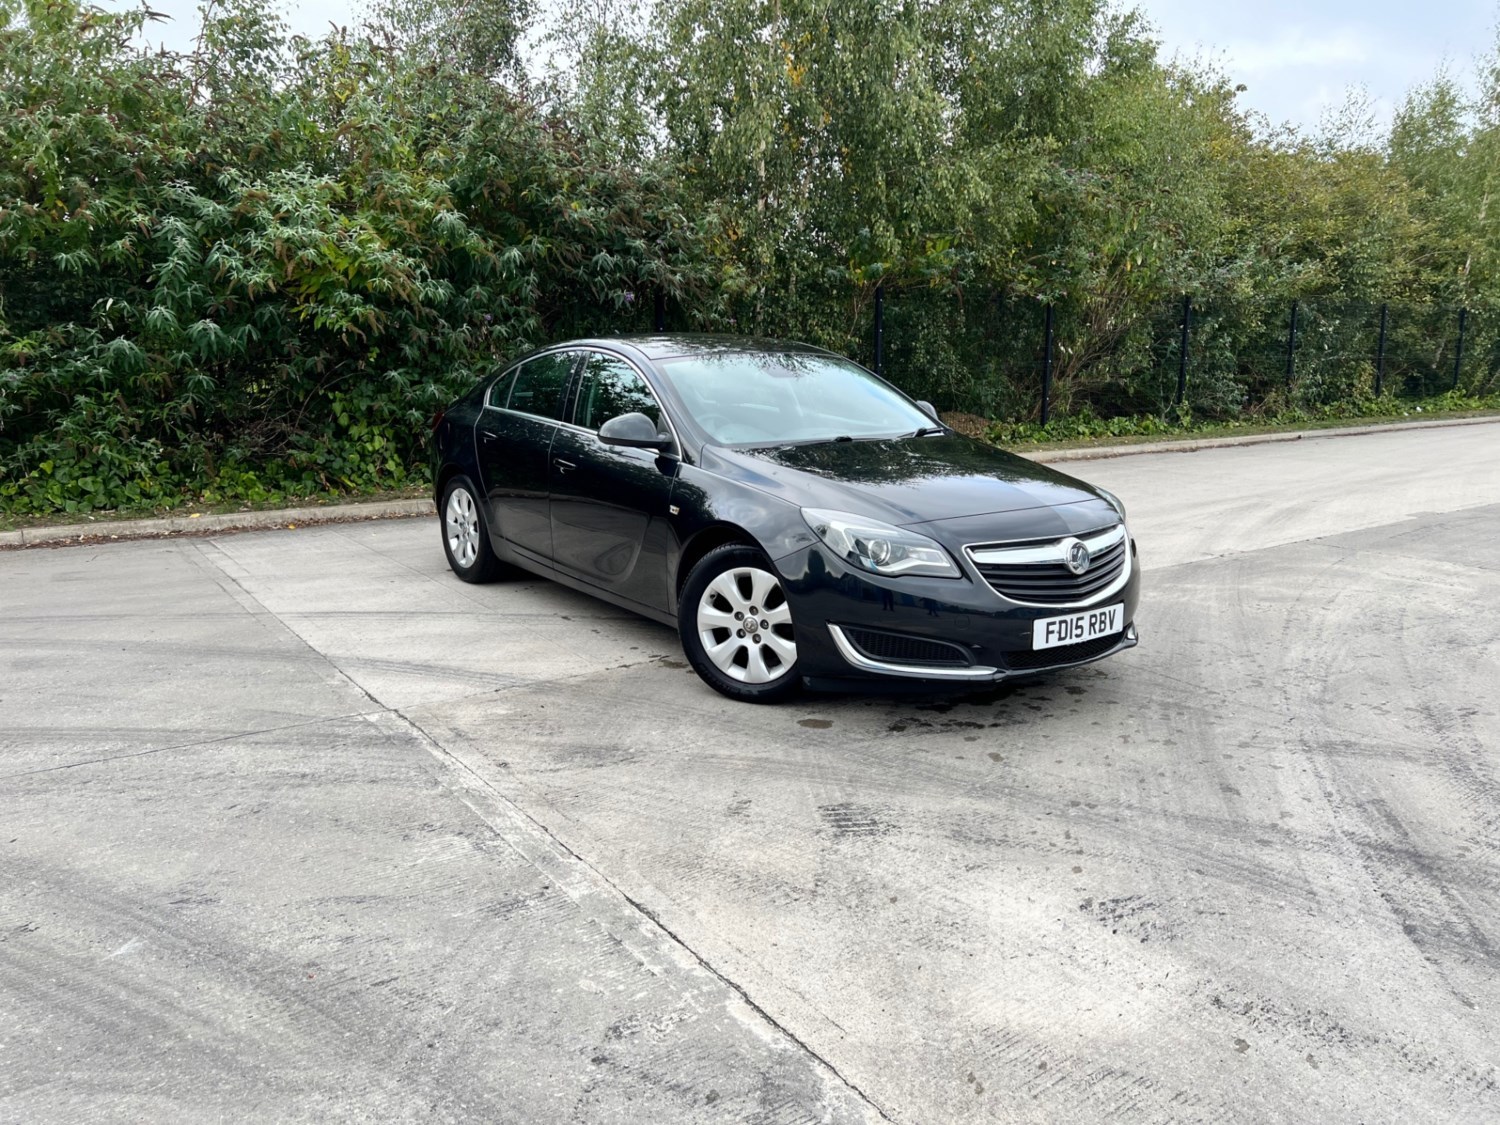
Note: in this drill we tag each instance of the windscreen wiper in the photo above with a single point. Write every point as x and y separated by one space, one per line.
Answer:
924 431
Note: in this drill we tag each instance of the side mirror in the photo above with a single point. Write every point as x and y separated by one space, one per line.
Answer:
634 431
923 404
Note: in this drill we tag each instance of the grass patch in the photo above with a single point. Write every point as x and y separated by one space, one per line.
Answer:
1077 431
1084 430
13 522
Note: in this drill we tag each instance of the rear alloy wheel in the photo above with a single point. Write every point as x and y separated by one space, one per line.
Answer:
466 538
736 626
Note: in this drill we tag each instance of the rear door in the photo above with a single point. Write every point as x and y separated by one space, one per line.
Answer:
515 435
609 504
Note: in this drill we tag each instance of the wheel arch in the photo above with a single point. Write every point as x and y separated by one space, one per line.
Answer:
449 470
718 534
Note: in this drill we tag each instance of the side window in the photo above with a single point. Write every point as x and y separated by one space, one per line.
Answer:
540 383
612 387
500 389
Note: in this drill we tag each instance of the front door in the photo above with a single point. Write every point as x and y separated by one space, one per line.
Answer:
609 504
515 444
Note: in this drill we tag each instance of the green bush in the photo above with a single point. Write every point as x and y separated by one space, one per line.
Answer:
257 272
254 270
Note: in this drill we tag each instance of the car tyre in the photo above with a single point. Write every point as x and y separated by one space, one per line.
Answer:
756 662
466 535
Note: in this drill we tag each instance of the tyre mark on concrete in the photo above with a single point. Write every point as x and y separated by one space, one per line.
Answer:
135 998
1372 839
194 744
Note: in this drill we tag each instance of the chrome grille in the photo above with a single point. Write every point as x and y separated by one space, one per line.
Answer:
1034 572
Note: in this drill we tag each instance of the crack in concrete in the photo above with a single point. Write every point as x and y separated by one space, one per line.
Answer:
791 1035
454 764
448 758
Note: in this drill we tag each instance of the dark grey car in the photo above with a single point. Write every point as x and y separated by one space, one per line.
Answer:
794 516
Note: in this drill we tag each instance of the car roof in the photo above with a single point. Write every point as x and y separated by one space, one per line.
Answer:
671 345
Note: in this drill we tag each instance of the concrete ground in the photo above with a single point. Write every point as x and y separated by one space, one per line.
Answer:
295 826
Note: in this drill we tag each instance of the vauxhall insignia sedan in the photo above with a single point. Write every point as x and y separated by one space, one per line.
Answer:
796 518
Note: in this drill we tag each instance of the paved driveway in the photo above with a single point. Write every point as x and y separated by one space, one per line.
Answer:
295 826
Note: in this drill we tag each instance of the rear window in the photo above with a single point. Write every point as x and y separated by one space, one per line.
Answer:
500 389
540 384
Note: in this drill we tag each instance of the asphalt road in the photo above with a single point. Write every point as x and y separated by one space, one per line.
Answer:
295 826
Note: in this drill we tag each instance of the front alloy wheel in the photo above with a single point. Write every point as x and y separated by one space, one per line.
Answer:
737 628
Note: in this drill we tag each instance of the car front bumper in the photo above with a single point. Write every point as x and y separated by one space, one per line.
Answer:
941 631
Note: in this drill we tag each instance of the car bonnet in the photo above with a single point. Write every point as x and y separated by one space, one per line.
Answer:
903 480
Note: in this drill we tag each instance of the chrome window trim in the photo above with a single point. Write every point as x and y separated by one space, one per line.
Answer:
660 405
923 671
1051 552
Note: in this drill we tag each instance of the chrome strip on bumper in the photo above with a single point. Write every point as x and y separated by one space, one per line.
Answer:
921 671
979 673
1046 552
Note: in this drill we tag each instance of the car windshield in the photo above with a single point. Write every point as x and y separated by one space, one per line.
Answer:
776 398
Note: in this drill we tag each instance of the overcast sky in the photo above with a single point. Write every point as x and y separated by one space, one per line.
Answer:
1297 57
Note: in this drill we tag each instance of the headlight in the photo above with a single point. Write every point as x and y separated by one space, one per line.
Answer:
1114 501
879 547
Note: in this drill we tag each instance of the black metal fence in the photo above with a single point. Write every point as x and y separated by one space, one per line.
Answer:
1215 357
1020 359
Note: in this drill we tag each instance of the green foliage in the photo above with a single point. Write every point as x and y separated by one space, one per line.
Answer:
254 270
982 158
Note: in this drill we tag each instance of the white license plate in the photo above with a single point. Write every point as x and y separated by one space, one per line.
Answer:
1049 632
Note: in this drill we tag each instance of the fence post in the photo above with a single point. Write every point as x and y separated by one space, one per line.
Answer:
1458 354
1291 347
661 309
1182 352
1047 370
880 329
1380 352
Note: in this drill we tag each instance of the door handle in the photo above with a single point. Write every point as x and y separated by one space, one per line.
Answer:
562 466
487 436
